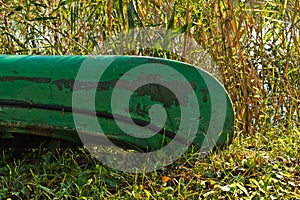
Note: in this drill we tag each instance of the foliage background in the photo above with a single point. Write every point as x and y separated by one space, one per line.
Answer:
255 44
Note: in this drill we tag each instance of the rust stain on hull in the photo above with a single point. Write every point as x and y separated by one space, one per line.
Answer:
23 78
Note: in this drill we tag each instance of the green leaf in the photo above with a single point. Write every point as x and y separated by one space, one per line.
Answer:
171 21
130 12
16 40
121 10
185 28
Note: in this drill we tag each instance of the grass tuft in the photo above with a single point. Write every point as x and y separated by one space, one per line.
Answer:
260 166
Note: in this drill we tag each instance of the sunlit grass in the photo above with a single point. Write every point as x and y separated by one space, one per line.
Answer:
261 166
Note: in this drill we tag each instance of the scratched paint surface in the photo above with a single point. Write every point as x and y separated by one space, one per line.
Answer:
36 98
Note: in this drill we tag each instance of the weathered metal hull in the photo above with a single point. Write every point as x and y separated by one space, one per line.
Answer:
36 99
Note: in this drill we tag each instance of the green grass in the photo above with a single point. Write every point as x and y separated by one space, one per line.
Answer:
263 166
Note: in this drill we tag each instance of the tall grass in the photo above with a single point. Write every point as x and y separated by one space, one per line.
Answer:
255 44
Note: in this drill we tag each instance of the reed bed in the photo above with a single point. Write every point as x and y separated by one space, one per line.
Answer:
255 44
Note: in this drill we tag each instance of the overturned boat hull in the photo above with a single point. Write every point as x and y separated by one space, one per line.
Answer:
58 96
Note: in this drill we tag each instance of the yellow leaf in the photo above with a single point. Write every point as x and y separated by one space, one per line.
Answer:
165 179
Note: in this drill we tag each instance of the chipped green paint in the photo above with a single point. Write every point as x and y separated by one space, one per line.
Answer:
36 98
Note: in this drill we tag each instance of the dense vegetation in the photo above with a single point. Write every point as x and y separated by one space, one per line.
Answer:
255 46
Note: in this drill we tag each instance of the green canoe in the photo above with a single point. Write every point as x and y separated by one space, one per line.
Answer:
61 96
